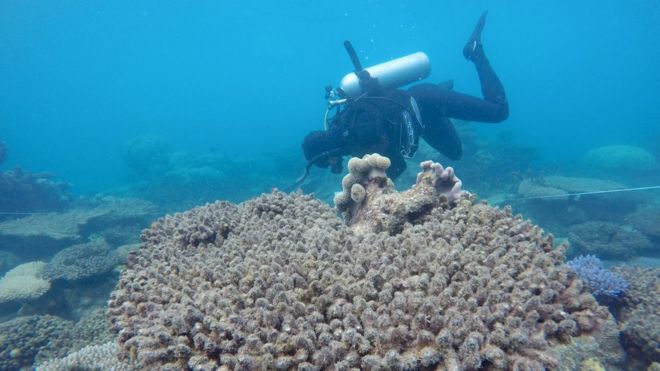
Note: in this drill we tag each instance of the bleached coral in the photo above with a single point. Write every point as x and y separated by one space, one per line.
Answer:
24 282
93 357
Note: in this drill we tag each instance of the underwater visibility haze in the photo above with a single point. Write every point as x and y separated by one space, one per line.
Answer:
140 143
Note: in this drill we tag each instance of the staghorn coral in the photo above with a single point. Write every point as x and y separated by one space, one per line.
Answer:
24 282
280 282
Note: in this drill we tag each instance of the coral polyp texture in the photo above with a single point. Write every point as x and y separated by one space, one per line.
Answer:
280 282
370 203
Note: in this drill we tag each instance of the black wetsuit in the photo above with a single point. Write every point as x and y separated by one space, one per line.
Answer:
376 122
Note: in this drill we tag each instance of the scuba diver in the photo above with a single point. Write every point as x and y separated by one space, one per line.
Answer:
373 116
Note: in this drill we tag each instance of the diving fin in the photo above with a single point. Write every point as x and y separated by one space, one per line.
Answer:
473 45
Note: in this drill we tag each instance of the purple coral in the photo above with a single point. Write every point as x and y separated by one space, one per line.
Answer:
600 281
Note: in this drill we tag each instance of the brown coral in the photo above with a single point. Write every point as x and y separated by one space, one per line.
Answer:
280 282
640 313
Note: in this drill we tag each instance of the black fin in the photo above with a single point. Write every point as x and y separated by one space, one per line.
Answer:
474 42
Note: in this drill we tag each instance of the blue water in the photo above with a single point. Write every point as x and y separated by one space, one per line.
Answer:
81 78
171 104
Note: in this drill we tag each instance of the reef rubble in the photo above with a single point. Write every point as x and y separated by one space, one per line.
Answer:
423 278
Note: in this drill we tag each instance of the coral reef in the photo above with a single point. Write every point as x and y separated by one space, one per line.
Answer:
52 232
491 165
178 180
603 345
280 282
28 341
82 261
592 364
147 156
92 357
370 203
555 186
23 192
529 188
607 240
72 300
600 281
24 338
639 315
617 158
646 221
555 189
91 329
24 282
547 201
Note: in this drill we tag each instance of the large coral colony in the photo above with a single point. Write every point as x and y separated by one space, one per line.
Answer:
421 279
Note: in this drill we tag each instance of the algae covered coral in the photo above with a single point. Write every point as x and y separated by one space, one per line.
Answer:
280 282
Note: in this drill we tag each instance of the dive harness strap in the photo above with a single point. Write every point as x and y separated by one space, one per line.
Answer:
409 136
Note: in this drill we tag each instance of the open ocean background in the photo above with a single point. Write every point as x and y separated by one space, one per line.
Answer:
81 78
116 113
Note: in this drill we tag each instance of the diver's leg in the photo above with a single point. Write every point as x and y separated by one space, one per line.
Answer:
492 108
491 87
441 135
435 100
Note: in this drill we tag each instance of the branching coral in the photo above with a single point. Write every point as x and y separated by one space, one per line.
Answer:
600 281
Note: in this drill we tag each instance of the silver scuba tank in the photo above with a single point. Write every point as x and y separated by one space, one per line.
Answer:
391 74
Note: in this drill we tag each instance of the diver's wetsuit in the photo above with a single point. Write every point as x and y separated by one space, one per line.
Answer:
373 124
391 121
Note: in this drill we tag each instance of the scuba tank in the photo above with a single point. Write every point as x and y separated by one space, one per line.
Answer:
391 74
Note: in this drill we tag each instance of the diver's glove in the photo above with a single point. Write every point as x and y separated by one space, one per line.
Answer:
474 50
